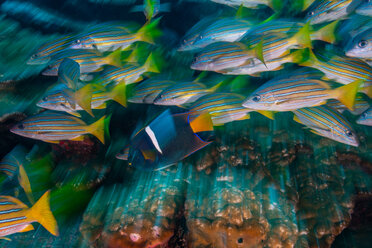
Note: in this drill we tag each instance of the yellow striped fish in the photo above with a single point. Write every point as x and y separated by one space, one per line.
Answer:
9 165
16 217
327 122
52 127
148 90
360 105
365 118
290 94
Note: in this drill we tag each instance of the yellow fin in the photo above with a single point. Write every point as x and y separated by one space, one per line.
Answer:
114 58
83 97
41 213
149 155
310 60
99 128
202 123
302 37
149 31
215 87
346 94
74 114
5 238
52 141
268 114
78 138
246 117
150 64
25 183
296 119
326 33
118 94
27 228
259 52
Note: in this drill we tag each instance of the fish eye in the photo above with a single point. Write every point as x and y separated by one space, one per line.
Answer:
256 98
45 98
349 133
310 13
362 43
20 126
34 56
78 41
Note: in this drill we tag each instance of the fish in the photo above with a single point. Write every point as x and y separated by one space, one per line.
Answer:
169 138
360 46
341 69
129 72
222 107
183 93
89 60
9 165
360 105
365 118
327 122
148 90
52 127
151 8
290 94
329 10
16 216
69 73
246 3
365 8
115 37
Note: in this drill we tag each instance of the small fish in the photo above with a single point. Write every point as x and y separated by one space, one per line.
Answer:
89 60
9 165
327 122
365 8
69 73
291 94
16 217
168 139
115 37
365 118
182 93
129 73
148 90
246 3
330 10
52 127
360 105
360 46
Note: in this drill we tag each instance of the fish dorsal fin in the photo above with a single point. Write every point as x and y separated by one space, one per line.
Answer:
202 123
268 114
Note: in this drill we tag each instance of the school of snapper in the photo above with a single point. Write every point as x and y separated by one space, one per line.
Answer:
106 62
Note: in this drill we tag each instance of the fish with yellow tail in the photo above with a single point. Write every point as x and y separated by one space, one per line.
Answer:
16 216
53 127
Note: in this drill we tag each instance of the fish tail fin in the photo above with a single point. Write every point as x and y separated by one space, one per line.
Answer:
302 37
268 114
83 98
202 123
299 56
326 33
150 64
118 94
99 128
276 5
41 213
114 58
346 94
133 56
310 59
149 32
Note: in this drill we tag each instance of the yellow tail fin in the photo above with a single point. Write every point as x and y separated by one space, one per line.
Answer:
309 59
346 94
215 87
83 97
202 123
41 213
302 37
258 50
99 128
118 94
150 64
326 33
25 183
149 31
114 58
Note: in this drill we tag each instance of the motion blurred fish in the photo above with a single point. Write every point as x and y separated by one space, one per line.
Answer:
129 73
151 8
291 94
89 60
168 139
365 118
183 93
327 122
329 10
360 105
9 165
148 90
16 217
360 46
246 3
52 127
114 37
365 8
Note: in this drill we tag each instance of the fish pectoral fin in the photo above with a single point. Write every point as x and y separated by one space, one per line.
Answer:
27 228
52 141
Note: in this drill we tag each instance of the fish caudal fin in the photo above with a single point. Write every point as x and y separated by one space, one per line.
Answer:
99 128
299 56
310 59
150 64
326 33
83 97
302 37
149 31
118 94
114 58
41 213
202 123
346 94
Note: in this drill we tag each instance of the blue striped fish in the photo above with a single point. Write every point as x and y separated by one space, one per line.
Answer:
9 165
182 93
329 10
114 38
360 46
222 107
16 217
365 118
290 94
365 8
52 127
88 60
69 73
327 122
148 90
360 105
129 73
246 3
